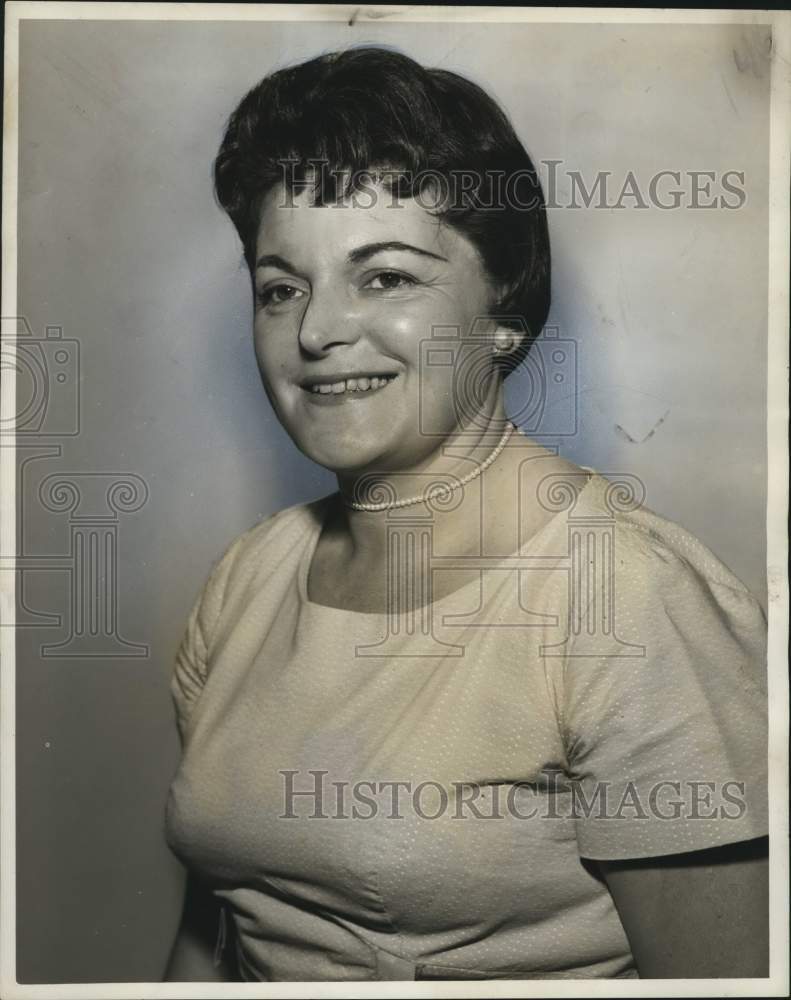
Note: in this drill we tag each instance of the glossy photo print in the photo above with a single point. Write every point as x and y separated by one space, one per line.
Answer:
394 467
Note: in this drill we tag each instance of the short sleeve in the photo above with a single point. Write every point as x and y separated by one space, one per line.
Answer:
192 660
665 719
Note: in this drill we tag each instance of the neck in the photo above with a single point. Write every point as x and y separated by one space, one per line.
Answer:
453 458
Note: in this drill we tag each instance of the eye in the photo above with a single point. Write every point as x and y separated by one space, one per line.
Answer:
388 280
274 295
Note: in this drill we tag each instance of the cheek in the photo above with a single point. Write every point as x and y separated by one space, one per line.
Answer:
395 328
273 350
406 329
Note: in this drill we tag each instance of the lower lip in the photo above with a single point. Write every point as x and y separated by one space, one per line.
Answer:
353 396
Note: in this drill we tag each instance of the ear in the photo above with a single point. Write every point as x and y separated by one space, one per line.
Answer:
506 341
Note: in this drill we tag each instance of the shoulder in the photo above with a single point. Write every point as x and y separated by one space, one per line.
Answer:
655 550
262 551
663 676
645 586
270 547
272 543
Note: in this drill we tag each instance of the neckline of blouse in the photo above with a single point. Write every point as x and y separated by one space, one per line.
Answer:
377 616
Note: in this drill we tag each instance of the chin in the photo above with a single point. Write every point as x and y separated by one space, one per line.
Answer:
353 448
354 458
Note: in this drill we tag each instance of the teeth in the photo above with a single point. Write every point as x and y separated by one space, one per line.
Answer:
360 384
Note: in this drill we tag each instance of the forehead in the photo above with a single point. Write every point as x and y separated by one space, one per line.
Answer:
293 226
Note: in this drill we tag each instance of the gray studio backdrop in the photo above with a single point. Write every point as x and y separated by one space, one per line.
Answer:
153 444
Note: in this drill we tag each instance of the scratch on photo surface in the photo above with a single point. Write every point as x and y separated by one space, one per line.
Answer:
623 304
753 55
727 92
373 15
654 429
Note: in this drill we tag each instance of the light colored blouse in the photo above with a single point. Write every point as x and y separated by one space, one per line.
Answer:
600 695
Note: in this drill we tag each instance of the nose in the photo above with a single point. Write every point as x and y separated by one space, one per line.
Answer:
329 320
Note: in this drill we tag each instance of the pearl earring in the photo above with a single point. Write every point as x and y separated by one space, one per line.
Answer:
505 348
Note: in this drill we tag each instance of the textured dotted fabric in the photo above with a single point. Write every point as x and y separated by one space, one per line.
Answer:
535 690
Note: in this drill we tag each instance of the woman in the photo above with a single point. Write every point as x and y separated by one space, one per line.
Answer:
476 714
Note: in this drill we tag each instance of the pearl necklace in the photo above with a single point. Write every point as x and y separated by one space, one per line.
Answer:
438 491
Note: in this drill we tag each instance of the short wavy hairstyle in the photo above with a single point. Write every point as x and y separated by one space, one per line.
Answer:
374 112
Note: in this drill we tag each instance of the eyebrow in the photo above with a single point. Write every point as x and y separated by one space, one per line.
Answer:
356 256
370 249
275 260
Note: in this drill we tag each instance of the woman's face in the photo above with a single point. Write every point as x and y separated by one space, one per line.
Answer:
346 299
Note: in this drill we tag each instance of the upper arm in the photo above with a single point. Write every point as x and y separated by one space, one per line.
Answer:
197 955
699 915
670 734
670 730
193 656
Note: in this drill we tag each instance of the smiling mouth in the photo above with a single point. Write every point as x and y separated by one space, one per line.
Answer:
360 386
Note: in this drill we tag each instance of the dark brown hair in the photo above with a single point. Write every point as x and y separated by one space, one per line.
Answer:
367 110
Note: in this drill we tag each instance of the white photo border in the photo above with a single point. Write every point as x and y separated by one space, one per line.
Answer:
776 516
